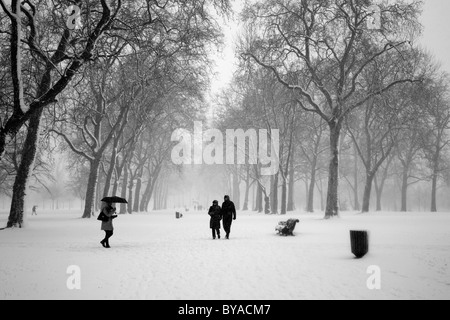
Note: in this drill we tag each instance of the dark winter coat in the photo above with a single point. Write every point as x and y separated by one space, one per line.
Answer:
108 225
228 212
215 213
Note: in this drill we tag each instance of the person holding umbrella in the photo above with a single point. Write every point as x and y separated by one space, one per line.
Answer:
106 216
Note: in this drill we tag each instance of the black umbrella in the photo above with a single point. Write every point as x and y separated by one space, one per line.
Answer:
114 200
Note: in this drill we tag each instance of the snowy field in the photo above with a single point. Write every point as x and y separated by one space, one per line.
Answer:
155 256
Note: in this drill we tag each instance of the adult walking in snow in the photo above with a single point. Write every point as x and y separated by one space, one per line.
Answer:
215 212
228 215
107 216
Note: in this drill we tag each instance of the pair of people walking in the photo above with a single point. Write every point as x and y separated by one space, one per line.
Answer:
226 213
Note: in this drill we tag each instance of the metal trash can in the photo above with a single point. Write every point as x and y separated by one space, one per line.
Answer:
360 243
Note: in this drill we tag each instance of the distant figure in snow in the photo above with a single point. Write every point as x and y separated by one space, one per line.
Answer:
228 215
215 212
108 210
34 211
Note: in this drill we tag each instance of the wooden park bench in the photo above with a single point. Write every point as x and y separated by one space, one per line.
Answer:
286 228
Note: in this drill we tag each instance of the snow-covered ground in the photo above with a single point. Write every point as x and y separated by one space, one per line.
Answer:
155 256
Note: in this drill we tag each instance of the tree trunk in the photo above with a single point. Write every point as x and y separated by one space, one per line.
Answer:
267 205
434 181
145 196
404 190
118 171
379 205
357 205
312 186
322 207
284 197
123 207
379 192
148 196
130 191
332 209
137 194
17 81
112 168
97 194
379 188
246 197
259 198
253 191
29 152
291 192
236 190
274 193
157 195
367 192
165 196
91 188
306 192
3 135
434 192
116 183
149 190
247 193
161 190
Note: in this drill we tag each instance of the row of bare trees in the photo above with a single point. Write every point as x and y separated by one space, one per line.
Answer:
397 139
352 103
111 89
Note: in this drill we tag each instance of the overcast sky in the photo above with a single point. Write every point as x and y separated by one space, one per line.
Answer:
436 37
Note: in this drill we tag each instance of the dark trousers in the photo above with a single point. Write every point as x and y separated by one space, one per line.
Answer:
214 231
227 226
108 234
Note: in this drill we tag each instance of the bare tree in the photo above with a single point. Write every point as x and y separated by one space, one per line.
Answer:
436 104
63 58
96 123
312 149
378 130
329 44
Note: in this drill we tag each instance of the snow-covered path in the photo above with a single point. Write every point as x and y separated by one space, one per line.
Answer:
155 256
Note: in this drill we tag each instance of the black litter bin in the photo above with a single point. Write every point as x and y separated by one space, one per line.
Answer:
360 243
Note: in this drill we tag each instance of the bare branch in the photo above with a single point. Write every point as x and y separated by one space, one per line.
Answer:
70 144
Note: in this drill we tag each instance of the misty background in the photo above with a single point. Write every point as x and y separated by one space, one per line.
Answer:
138 92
